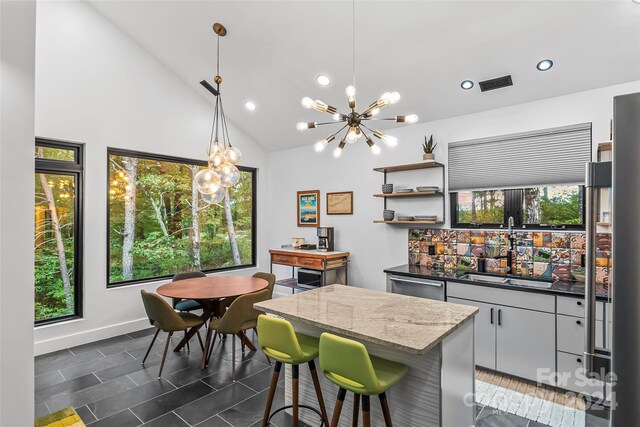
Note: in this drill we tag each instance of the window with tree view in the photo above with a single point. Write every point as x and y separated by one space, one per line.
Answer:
57 234
554 206
159 224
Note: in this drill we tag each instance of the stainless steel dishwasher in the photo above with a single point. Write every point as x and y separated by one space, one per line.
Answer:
415 287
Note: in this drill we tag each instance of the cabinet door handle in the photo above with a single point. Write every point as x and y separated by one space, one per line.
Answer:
499 317
492 315
579 360
578 322
579 302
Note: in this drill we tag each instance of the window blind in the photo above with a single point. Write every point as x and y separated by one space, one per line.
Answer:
543 157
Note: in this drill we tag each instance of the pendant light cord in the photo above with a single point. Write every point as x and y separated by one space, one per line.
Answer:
354 41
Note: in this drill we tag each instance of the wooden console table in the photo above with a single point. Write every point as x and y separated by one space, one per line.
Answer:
315 260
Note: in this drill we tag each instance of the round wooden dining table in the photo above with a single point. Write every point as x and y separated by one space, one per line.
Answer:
207 290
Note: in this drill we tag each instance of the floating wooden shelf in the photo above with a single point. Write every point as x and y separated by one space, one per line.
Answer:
409 167
378 221
412 194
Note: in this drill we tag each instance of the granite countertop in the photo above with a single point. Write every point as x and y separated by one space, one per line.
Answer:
408 324
570 288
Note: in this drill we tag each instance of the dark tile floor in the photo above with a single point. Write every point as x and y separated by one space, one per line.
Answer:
107 386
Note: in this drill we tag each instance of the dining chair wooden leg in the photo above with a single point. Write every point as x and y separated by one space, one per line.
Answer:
213 343
356 409
233 358
200 339
207 342
150 345
164 355
272 393
316 385
338 408
366 412
385 409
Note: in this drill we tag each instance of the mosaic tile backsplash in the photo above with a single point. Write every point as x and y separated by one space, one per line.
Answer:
539 254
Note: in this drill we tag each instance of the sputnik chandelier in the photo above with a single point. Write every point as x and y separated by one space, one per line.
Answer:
354 122
213 182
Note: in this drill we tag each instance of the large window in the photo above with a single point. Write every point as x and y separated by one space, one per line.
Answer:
58 230
159 225
559 207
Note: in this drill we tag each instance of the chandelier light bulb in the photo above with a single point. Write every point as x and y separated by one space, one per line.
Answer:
337 152
306 125
375 149
352 135
411 118
337 117
389 140
216 159
320 145
307 102
351 92
207 181
394 97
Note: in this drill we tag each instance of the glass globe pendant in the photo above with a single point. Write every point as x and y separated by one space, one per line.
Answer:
207 181
229 174
233 155
215 198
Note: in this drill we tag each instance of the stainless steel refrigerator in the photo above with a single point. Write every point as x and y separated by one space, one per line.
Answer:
625 183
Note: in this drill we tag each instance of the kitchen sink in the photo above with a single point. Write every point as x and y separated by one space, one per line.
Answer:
483 278
480 278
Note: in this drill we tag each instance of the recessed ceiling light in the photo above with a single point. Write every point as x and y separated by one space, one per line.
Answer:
466 85
323 80
544 65
251 106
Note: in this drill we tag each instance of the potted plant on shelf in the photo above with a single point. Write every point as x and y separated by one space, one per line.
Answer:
428 146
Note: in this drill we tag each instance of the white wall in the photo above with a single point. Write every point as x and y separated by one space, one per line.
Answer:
17 58
374 247
96 86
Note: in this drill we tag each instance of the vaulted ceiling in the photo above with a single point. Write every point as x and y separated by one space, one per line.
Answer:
423 49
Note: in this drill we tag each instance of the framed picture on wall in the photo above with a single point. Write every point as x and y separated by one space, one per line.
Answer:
340 203
308 208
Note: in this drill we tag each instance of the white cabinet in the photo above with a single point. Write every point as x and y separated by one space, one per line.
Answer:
484 332
525 342
571 334
512 339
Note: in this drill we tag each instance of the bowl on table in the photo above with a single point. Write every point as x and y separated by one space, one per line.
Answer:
387 188
388 214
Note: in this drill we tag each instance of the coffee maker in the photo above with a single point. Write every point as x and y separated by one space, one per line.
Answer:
325 239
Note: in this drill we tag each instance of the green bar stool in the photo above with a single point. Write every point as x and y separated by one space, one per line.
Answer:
347 364
281 343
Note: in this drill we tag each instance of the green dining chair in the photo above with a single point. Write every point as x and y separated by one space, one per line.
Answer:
280 342
165 318
347 364
239 317
271 280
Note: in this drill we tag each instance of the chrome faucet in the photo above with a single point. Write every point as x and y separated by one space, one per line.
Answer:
512 239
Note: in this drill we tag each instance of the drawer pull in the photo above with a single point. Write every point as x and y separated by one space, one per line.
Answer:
492 315
281 259
579 360
579 302
579 322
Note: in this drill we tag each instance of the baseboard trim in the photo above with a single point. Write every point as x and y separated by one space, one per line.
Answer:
83 337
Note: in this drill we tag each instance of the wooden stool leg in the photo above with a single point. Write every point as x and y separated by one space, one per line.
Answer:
295 375
366 414
316 385
272 392
164 355
336 411
356 409
385 409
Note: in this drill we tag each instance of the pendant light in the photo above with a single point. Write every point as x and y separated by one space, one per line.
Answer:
221 173
355 124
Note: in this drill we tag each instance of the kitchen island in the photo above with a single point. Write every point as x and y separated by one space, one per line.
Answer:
433 338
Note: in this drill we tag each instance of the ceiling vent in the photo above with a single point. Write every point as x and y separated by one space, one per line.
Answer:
496 83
